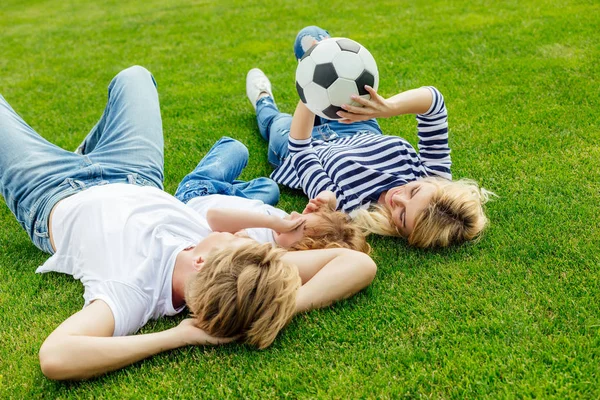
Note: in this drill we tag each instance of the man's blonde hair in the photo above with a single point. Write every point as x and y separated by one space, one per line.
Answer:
335 229
454 215
248 291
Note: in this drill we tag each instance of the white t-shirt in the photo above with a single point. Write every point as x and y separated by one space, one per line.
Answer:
262 235
121 242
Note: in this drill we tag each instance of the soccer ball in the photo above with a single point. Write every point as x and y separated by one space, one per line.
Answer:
333 70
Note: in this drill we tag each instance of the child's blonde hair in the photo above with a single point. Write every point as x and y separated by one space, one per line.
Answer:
454 215
335 229
248 291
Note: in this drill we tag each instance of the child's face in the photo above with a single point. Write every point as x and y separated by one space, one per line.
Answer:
290 238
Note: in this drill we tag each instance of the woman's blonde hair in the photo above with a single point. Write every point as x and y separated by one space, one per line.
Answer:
248 291
335 229
454 215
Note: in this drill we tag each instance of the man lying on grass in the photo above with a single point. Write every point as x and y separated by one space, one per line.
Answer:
141 253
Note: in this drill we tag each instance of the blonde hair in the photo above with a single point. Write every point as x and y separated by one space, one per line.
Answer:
335 229
454 215
248 291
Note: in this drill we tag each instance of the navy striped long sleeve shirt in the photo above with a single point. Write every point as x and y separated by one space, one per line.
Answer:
359 168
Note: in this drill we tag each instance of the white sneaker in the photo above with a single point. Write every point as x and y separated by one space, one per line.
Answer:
257 83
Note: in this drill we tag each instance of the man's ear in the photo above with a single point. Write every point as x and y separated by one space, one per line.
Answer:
198 263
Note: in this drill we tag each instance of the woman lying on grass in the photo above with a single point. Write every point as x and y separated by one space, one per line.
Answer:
388 187
141 253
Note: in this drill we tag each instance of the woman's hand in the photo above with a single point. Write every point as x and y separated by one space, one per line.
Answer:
324 199
194 336
376 107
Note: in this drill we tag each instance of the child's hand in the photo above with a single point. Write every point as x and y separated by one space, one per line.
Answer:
323 199
281 225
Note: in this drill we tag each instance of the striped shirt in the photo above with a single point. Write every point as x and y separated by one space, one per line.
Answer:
359 168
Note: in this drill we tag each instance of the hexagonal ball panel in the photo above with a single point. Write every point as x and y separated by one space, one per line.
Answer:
325 51
348 65
366 78
331 112
348 45
340 92
316 97
305 71
324 75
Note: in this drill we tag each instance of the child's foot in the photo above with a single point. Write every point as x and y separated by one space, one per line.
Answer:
257 86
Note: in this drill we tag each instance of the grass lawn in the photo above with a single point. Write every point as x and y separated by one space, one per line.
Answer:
515 315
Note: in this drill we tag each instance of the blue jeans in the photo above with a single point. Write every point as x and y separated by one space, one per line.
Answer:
218 171
274 126
125 146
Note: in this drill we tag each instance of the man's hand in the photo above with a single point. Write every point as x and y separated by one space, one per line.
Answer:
324 199
194 336
376 107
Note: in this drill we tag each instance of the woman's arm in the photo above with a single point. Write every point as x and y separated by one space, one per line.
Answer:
432 122
415 101
313 177
303 123
232 220
330 275
83 347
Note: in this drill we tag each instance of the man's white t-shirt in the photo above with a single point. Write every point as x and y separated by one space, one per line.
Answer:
262 235
121 242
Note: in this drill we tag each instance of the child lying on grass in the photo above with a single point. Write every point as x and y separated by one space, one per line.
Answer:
234 206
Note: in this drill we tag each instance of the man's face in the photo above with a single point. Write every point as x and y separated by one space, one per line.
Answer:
197 255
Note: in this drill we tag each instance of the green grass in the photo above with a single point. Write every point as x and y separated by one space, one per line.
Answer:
515 315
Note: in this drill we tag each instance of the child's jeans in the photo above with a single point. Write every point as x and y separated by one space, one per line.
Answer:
218 171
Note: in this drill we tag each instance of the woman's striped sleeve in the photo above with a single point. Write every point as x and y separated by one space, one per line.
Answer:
313 177
432 127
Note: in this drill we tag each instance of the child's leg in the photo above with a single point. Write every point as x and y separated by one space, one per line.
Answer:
217 172
128 138
263 189
31 170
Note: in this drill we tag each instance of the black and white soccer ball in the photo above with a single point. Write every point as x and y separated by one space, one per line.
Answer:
333 70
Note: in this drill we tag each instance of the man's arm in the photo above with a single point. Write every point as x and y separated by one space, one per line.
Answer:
232 220
330 275
83 347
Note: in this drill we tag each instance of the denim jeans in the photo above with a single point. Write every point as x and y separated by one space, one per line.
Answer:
274 126
125 146
218 171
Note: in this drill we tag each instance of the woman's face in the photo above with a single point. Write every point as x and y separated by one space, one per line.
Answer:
406 203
